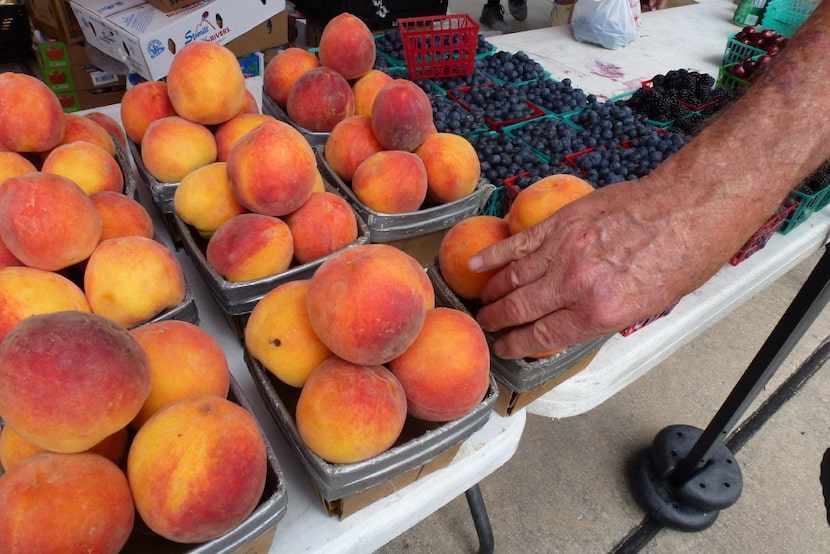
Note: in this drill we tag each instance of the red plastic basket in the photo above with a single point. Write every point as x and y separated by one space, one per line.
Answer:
439 46
762 235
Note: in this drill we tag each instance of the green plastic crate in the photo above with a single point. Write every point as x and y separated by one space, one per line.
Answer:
736 51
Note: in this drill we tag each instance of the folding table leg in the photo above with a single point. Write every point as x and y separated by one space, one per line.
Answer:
478 510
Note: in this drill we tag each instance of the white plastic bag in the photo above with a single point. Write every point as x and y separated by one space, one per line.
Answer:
610 23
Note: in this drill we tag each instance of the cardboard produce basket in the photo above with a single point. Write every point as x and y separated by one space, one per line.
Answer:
521 381
345 488
385 227
270 107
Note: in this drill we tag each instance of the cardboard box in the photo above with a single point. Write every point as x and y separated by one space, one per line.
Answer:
76 100
510 401
55 18
81 77
170 5
56 53
270 33
146 39
92 17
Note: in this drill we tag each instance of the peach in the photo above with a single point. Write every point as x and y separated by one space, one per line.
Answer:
70 379
197 468
205 83
173 146
349 144
272 169
348 413
446 371
319 99
347 46
366 88
391 181
47 221
88 165
462 241
204 199
319 185
110 125
143 104
185 360
133 279
26 291
80 128
121 216
13 164
541 199
31 114
250 246
324 224
279 335
81 501
228 133
401 115
14 448
7 259
453 168
367 303
284 69
250 105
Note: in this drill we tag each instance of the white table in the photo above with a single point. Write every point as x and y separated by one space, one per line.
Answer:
691 37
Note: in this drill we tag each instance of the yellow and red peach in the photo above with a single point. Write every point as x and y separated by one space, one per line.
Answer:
391 181
197 468
366 88
205 83
143 104
250 246
80 499
348 413
367 303
453 168
347 46
228 133
204 198
47 221
98 377
185 360
173 146
319 99
121 216
80 128
402 115
446 371
132 279
13 164
279 335
31 114
462 241
272 169
324 224
14 448
284 69
349 144
541 199
110 125
88 165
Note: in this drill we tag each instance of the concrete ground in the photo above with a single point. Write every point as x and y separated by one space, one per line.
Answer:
567 488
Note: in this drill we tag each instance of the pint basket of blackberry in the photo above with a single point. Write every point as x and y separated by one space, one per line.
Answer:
439 46
761 237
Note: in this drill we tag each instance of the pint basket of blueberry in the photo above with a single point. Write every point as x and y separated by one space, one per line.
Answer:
439 46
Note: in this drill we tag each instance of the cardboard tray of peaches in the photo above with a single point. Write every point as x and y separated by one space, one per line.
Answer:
517 375
265 517
384 227
419 443
240 297
161 193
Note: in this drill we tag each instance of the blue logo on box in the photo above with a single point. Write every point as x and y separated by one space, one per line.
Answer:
155 48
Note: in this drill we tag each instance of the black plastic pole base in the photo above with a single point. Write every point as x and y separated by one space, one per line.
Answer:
692 505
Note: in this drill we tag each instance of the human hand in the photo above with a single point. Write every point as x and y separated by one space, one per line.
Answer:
599 264
652 5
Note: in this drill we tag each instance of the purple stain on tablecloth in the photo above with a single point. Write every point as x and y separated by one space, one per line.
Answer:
608 70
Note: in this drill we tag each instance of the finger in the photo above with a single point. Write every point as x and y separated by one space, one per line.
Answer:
521 306
527 266
556 330
503 252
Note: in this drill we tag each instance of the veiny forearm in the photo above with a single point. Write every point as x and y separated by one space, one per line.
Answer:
733 176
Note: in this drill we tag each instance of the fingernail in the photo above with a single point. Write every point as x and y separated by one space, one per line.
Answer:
475 263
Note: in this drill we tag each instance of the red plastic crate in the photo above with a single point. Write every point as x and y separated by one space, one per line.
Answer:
439 46
762 235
